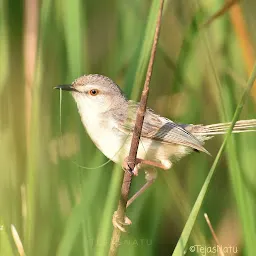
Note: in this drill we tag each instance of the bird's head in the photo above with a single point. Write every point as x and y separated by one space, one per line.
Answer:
95 93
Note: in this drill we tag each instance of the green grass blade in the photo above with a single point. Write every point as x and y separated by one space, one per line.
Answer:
73 34
180 247
73 226
145 50
4 46
240 162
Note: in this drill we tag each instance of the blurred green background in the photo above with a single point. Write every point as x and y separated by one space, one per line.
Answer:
59 208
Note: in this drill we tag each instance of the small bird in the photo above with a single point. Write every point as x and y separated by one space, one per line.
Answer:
109 118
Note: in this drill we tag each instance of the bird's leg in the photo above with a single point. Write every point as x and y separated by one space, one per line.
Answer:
165 164
150 177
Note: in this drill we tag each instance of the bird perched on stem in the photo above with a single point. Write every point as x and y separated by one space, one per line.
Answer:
109 118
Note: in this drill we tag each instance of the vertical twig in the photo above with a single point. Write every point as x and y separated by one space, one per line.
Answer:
220 251
30 50
224 9
135 138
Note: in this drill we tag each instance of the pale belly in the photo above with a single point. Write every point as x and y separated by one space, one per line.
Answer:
116 145
107 141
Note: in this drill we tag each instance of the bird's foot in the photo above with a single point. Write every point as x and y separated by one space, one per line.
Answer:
118 223
126 167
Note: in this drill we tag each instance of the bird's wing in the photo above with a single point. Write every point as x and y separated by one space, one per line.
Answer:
159 128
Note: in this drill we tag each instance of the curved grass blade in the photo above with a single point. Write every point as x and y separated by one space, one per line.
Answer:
180 247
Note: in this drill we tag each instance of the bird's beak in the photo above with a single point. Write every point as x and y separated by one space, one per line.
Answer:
65 87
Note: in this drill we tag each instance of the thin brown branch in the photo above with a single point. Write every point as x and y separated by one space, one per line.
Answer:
30 50
220 251
225 8
135 138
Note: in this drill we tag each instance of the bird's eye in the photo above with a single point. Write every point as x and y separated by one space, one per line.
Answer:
94 92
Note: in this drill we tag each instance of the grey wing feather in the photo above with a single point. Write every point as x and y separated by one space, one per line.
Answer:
159 128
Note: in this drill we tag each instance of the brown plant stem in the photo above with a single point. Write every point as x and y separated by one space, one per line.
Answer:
30 51
221 253
135 138
224 9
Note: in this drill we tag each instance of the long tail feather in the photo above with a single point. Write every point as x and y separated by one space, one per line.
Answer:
222 128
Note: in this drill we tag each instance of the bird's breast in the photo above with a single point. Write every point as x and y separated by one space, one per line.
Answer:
105 136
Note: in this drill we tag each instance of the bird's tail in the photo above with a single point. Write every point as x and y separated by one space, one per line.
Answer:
222 128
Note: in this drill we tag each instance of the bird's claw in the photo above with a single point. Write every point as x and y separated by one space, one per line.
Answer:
117 223
126 167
